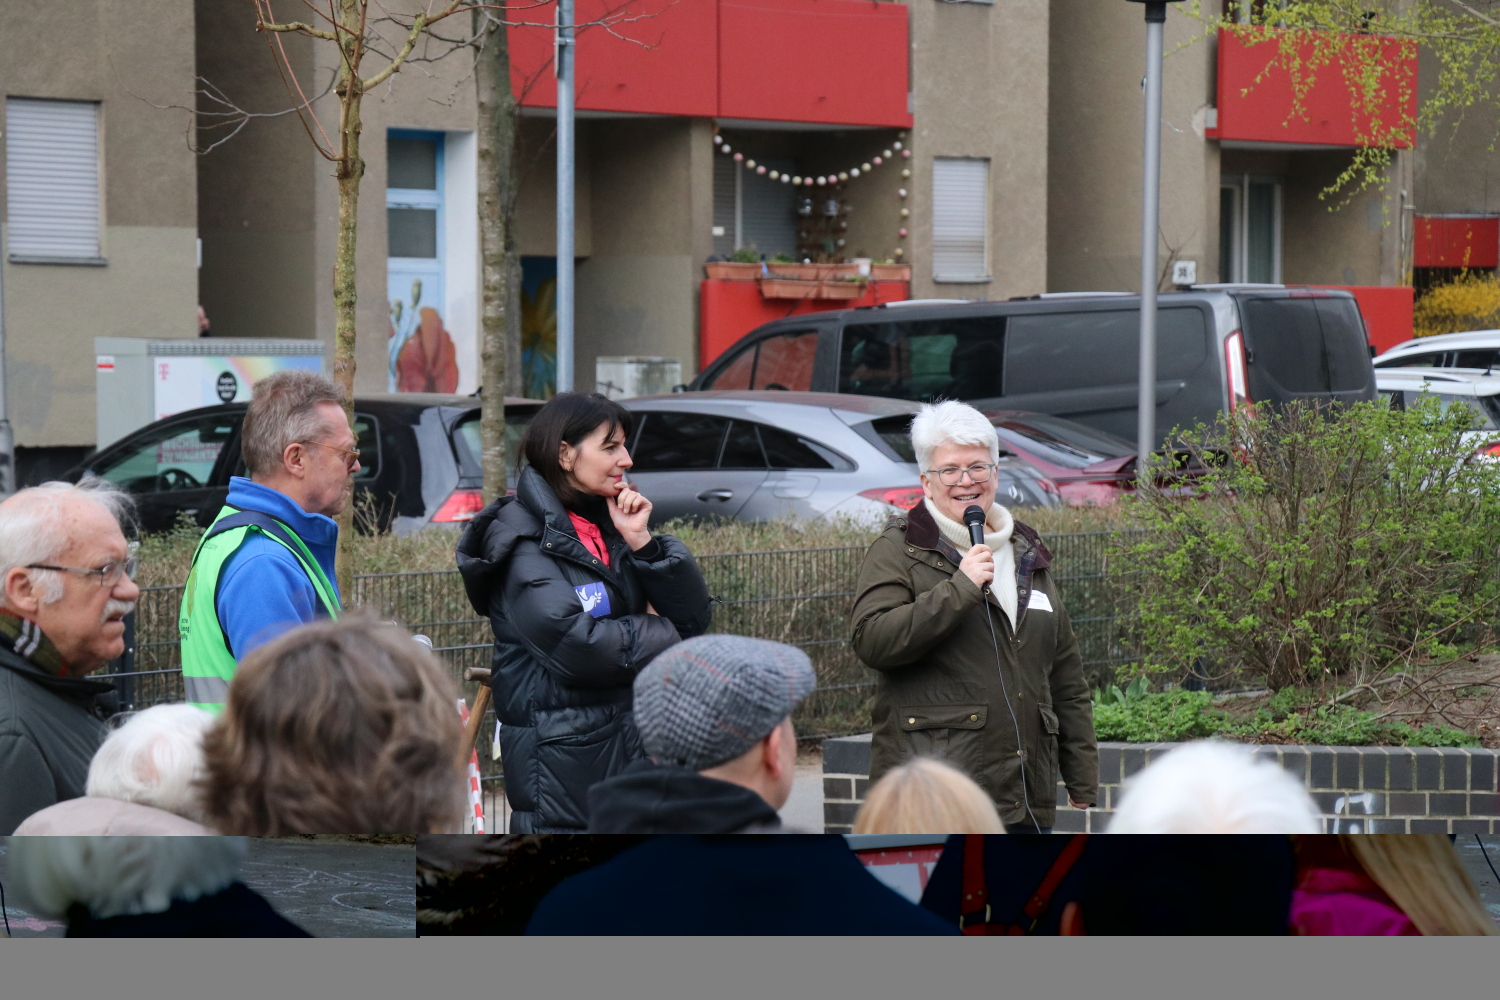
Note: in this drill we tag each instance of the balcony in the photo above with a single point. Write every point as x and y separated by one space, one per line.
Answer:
1257 101
831 62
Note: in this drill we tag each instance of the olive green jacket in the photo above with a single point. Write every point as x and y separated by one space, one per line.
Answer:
921 624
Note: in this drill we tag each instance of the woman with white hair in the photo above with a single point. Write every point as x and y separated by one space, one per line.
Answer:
1215 787
143 887
977 660
143 781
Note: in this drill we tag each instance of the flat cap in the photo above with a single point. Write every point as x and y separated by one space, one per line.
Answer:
710 699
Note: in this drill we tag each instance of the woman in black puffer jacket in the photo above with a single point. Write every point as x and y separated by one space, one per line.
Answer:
580 596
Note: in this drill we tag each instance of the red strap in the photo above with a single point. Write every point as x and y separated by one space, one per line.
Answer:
976 893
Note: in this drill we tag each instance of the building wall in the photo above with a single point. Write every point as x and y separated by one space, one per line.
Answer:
980 82
1097 60
128 58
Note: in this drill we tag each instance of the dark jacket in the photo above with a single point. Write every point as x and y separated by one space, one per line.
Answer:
50 728
812 885
235 912
670 799
561 676
921 624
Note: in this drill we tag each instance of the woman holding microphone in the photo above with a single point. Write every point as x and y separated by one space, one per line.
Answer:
580 596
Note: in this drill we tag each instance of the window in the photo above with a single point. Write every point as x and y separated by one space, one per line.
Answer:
466 434
1054 352
751 210
367 438
1249 229
671 441
787 451
891 436
1062 442
1421 361
924 359
52 180
742 448
1304 345
420 354
178 456
960 220
784 361
1487 358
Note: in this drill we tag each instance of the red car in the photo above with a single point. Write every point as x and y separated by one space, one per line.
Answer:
1090 467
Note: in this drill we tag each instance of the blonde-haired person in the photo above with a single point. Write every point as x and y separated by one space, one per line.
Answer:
1385 885
927 796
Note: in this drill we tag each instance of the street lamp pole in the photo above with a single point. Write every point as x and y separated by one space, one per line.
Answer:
1156 17
565 186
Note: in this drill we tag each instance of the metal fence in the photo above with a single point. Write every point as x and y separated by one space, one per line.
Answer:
798 596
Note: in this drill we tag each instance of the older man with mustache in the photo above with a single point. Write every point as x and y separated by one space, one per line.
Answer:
65 589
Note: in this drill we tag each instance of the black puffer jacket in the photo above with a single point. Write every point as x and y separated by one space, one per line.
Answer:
562 677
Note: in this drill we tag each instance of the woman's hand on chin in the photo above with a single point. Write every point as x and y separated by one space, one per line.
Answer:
631 513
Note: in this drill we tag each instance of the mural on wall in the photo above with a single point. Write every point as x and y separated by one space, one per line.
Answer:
539 327
420 351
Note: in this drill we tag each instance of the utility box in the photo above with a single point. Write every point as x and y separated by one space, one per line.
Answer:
140 381
626 378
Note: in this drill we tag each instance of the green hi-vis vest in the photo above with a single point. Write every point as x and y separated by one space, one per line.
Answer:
207 661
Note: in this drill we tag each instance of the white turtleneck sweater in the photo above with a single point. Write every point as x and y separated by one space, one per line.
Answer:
998 527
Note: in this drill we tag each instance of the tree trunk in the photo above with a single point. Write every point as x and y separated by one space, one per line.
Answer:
500 264
349 171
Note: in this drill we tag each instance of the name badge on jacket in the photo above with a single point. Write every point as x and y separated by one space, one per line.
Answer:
595 599
1039 601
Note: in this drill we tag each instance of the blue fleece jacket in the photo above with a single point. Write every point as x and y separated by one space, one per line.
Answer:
263 589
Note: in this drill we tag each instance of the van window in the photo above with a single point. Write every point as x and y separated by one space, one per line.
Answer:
924 359
1347 345
784 361
1053 352
1305 345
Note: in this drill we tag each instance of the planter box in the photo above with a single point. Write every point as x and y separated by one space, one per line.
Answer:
1357 789
797 272
732 271
828 271
789 288
890 272
840 289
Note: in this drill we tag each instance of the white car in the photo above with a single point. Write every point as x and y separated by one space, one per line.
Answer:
1477 391
1477 350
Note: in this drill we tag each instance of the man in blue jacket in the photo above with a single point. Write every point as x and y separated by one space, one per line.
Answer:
266 564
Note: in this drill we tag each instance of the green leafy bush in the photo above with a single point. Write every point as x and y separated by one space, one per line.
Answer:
1169 716
1320 545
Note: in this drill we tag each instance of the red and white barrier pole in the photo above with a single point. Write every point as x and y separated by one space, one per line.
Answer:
476 798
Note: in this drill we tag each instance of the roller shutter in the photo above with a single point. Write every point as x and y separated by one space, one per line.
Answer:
52 179
960 219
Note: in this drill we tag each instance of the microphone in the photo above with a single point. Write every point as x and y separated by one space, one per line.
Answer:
974 518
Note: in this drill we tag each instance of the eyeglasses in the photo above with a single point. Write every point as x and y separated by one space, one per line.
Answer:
353 453
109 574
952 475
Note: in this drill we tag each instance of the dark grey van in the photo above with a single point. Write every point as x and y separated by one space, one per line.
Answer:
1073 355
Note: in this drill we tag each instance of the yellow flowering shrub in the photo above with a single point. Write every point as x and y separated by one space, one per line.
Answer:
1470 302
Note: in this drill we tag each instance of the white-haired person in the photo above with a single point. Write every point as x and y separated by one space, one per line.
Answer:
1215 787
977 660
65 589
144 781
138 887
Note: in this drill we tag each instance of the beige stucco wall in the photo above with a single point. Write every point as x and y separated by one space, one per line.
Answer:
980 84
1094 147
128 57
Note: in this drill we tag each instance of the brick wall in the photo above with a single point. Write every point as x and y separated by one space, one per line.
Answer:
1358 789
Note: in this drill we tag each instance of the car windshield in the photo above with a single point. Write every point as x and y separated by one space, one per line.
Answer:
1062 442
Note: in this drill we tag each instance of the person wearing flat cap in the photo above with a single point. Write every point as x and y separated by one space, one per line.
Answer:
715 718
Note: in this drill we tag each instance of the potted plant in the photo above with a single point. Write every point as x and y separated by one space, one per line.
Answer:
889 270
848 286
789 288
786 266
743 265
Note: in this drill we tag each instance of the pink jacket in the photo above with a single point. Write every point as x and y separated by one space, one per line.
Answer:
1333 902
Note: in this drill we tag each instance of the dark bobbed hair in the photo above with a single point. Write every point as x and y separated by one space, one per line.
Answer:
569 417
340 726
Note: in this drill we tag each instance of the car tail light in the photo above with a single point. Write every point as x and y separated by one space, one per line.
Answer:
905 497
1234 366
1491 450
461 506
1047 485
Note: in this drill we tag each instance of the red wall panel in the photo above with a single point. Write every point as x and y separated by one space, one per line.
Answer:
1264 114
730 309
841 61
1440 241
663 61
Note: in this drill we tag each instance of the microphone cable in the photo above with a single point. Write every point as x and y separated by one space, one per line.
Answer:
2 909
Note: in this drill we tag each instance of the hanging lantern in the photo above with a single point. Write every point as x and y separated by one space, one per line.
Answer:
878 161
899 253
786 178
796 180
750 164
901 192
822 181
895 145
774 175
739 157
854 172
901 232
886 154
725 147
865 168
718 138
906 154
760 170
905 213
844 175
905 173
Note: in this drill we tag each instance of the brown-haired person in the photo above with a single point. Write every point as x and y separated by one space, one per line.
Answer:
336 727
580 596
265 565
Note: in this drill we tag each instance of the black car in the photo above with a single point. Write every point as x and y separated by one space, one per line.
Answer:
1072 355
419 460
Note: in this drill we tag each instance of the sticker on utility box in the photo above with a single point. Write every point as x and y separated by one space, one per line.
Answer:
594 598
